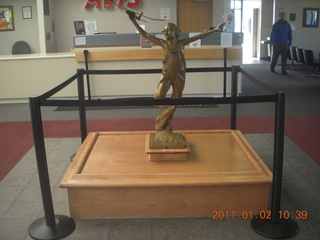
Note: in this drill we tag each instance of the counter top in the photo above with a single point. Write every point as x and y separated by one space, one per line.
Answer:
36 56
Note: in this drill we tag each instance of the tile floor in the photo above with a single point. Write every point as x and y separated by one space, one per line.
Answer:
20 198
21 204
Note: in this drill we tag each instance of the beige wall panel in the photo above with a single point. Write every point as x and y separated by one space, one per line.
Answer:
30 77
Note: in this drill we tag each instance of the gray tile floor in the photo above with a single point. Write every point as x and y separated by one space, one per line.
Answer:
21 204
20 200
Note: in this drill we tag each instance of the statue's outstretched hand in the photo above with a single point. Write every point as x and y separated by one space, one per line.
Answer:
131 14
220 26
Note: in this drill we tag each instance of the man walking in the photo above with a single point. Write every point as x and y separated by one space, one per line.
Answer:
281 39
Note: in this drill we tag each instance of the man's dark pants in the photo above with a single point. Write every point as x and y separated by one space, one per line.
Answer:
283 50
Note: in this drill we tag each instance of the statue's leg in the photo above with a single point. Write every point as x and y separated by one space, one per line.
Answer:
178 85
165 137
164 119
163 87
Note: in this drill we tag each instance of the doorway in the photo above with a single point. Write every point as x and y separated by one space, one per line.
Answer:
247 20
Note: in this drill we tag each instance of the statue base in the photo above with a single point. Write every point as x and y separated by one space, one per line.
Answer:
159 152
167 139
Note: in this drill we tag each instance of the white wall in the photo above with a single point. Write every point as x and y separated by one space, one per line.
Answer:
220 8
64 12
22 78
25 29
108 19
303 37
116 20
59 24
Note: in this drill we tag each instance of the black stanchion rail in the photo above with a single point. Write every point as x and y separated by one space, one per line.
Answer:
276 227
225 69
82 107
225 52
234 93
58 226
50 226
86 53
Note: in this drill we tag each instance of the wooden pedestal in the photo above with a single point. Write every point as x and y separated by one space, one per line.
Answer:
112 177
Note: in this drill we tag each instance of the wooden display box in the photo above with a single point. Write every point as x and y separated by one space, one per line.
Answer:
112 177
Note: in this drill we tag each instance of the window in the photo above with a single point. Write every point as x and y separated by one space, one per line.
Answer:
236 9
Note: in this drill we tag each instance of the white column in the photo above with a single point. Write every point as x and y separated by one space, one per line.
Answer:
41 27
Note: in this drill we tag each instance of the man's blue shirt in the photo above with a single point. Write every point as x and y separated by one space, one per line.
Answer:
281 32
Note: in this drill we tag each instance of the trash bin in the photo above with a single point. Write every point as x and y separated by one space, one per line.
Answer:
269 48
267 42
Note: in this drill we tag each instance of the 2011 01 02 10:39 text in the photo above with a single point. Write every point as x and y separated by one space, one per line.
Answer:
248 214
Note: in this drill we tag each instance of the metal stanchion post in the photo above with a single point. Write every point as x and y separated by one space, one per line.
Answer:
86 53
82 108
276 227
51 226
225 72
234 93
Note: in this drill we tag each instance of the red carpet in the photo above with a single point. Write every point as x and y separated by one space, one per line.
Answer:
16 137
305 132
15 141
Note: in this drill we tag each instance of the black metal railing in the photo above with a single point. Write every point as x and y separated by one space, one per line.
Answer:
44 100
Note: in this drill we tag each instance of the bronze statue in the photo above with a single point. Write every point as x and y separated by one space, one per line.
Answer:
173 75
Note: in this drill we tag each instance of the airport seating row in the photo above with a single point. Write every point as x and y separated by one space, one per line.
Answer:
303 56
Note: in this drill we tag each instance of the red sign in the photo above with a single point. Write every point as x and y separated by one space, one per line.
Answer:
109 3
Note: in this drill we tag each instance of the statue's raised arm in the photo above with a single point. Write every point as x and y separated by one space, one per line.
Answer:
133 18
204 34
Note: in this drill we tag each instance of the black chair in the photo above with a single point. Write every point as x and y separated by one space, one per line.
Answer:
21 47
309 59
292 56
300 57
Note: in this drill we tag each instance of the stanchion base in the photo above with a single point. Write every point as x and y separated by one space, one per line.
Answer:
286 228
40 230
73 156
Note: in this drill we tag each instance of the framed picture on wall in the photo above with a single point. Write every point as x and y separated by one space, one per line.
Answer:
79 27
6 18
310 17
27 12
292 17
